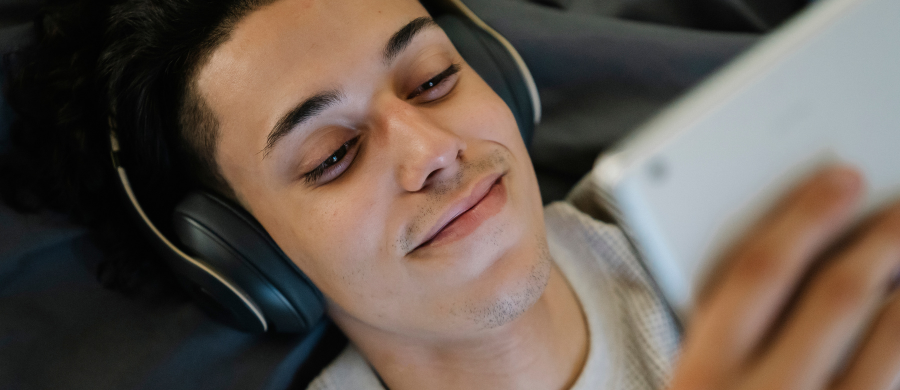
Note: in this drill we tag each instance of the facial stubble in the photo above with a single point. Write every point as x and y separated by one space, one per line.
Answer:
512 304
505 309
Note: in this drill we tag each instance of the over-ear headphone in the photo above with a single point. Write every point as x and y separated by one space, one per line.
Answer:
227 261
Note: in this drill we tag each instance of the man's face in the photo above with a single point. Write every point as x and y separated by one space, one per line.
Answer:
396 179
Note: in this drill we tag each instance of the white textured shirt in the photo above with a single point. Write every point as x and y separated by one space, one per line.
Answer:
633 338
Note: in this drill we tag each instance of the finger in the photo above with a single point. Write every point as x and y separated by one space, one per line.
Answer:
762 273
876 365
834 310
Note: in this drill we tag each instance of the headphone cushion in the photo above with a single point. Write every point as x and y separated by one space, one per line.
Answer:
495 64
233 243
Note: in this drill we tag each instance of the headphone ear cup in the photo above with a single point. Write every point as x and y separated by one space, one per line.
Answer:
495 64
234 245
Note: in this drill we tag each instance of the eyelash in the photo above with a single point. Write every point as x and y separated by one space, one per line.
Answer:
314 175
326 166
435 81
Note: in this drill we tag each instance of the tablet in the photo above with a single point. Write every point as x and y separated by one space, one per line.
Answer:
823 88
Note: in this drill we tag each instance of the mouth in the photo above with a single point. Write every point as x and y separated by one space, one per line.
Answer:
485 200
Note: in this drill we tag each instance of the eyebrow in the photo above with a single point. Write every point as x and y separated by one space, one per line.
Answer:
318 103
301 113
402 38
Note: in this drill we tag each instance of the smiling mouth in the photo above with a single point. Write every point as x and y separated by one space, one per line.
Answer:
464 217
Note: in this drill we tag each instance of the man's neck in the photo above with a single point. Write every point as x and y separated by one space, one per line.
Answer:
545 348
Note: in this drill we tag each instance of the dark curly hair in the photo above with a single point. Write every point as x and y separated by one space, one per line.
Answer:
128 62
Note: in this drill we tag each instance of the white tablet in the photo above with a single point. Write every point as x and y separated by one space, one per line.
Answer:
823 88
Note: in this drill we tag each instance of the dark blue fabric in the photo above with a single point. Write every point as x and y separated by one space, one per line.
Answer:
6 113
11 37
6 116
60 329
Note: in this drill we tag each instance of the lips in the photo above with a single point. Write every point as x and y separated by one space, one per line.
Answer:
465 215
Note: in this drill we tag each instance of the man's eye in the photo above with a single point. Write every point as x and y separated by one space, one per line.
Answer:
434 82
334 165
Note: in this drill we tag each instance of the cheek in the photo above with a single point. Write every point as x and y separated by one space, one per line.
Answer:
493 121
339 242
486 116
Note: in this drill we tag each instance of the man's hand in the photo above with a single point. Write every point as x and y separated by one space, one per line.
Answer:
842 330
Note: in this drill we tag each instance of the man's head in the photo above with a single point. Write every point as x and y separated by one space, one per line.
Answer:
382 165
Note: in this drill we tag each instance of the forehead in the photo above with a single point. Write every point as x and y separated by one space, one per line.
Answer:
307 29
292 42
288 28
291 49
312 35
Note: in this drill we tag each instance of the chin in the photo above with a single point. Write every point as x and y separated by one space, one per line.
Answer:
517 278
491 278
511 287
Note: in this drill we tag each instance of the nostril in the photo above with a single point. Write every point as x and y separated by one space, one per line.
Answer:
432 174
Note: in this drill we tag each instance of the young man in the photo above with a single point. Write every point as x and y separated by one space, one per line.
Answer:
396 179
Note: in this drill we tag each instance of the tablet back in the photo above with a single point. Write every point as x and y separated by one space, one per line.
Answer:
823 88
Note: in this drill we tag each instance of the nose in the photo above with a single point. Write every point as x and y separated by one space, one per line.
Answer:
423 150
